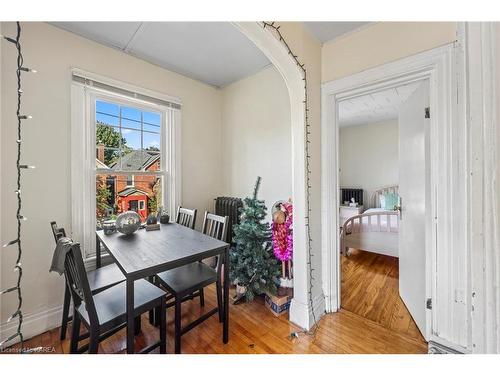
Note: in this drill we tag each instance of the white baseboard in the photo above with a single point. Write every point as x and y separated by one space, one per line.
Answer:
301 313
33 324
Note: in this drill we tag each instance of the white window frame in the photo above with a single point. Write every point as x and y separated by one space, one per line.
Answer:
133 182
142 205
83 170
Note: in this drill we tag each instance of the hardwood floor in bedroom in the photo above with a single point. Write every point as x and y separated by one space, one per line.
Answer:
254 330
370 289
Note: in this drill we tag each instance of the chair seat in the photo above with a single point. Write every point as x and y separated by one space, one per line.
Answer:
188 278
104 277
110 304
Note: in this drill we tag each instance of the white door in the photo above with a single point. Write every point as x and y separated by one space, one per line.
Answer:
413 146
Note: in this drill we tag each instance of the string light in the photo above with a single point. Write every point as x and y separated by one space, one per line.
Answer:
20 218
310 255
13 242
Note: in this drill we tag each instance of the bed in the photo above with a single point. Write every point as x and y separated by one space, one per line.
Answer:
375 230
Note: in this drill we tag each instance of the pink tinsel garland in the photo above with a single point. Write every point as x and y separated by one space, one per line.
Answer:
282 235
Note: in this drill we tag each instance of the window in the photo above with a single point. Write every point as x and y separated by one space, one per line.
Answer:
130 155
128 139
130 180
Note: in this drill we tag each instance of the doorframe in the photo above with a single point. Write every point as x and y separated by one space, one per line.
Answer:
448 178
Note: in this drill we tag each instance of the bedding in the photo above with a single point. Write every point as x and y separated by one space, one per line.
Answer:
367 220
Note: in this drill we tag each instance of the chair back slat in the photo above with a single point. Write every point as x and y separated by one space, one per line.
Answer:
186 217
56 231
215 226
76 277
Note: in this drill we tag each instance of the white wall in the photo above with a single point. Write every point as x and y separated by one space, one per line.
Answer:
46 190
369 156
256 137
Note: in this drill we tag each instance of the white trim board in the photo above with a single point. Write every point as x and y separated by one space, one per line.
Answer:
481 66
446 250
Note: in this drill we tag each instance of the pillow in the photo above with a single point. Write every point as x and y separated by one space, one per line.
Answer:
390 200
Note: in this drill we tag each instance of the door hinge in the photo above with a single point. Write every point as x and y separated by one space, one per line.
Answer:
427 112
428 304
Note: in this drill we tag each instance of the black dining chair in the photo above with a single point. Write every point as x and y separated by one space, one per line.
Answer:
186 282
104 313
99 280
186 217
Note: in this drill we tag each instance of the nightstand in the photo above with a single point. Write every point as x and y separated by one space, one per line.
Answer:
345 212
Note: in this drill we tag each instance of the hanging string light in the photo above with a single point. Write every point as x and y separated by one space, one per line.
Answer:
276 29
19 217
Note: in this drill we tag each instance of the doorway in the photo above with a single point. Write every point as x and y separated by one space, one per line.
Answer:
383 159
444 289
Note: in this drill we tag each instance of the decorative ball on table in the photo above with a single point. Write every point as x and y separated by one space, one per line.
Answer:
128 222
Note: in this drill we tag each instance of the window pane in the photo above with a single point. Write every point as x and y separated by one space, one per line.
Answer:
131 113
151 118
131 124
108 136
151 128
106 119
107 157
131 138
113 196
151 141
105 198
109 108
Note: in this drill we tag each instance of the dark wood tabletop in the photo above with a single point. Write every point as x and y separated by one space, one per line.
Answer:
144 254
171 246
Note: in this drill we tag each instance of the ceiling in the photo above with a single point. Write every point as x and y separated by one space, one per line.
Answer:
326 31
374 107
216 53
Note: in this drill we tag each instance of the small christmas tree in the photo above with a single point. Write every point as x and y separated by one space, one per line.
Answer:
253 265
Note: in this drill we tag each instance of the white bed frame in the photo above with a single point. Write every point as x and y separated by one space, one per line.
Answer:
375 235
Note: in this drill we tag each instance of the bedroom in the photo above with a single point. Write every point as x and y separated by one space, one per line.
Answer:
382 158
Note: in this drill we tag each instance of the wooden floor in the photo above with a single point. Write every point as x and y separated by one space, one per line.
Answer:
253 329
370 289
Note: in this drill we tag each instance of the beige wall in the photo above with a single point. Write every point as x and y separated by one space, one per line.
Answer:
256 137
46 190
369 156
381 43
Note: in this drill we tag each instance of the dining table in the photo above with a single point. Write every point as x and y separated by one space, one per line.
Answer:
144 254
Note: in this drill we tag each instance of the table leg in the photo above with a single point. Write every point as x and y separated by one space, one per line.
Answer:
225 335
97 252
130 316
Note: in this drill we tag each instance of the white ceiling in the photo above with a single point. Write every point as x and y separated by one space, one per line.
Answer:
374 107
216 53
326 31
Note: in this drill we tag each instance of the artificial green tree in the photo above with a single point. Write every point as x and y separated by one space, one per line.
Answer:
253 264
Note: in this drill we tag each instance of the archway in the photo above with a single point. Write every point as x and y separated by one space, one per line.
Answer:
278 55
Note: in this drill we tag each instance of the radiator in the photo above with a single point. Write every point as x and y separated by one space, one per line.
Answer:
347 194
228 206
